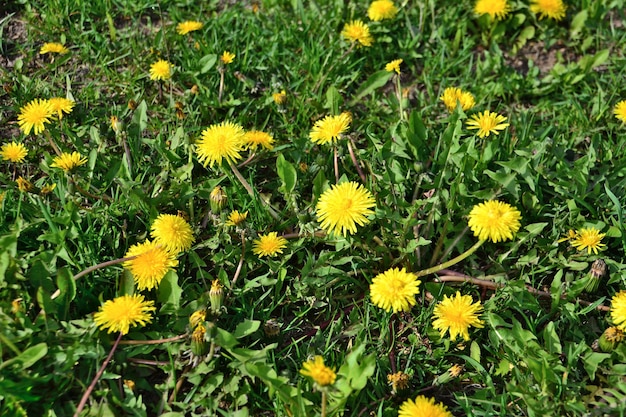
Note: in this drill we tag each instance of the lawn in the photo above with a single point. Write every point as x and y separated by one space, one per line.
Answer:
301 208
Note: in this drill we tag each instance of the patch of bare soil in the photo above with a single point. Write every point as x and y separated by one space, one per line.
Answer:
13 34
543 57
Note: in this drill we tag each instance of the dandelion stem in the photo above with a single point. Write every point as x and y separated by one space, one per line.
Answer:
87 393
336 164
451 262
93 268
355 161
222 70
154 342
324 403
54 145
399 94
240 264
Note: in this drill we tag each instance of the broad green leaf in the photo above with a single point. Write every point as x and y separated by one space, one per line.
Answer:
169 293
207 62
287 173
333 100
27 358
375 81
140 118
246 328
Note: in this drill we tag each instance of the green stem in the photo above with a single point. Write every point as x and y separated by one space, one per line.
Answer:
399 94
451 262
87 393
324 403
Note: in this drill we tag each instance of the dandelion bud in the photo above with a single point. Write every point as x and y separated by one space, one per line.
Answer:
597 271
24 185
610 338
199 345
116 125
216 296
16 305
453 372
271 328
130 384
218 199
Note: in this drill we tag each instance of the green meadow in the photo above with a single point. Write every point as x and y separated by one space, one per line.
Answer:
407 208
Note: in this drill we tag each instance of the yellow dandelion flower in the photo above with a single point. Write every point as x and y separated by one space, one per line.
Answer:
48 188
161 70
487 122
227 57
23 184
119 314
342 207
53 47
184 28
571 234
330 128
269 245
236 219
553 9
14 152
218 142
614 334
279 98
152 261
61 105
394 289
423 407
620 111
456 315
254 138
588 238
33 116
357 32
494 220
497 9
453 95
381 9
618 310
398 381
116 124
394 66
68 161
173 232
318 372
197 318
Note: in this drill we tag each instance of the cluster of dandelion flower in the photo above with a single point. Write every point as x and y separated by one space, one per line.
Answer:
269 244
496 9
394 289
423 406
344 206
453 95
553 9
381 10
68 161
255 138
588 238
33 116
330 128
456 315
321 374
494 220
161 70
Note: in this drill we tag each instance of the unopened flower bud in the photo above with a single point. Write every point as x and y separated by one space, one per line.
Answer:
197 318
596 273
216 296
610 338
271 328
218 199
199 344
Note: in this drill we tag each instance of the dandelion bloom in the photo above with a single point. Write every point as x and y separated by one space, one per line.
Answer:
269 245
343 206
618 310
227 57
318 372
173 232
152 261
487 122
197 317
235 218
497 9
394 66
456 314
620 111
161 70
217 199
60 105
33 116
222 141
381 9
119 314
453 95
48 188
14 152
358 32
553 9
254 138
398 381
53 47
23 184
330 128
279 98
394 289
588 238
423 407
494 220
184 28
68 161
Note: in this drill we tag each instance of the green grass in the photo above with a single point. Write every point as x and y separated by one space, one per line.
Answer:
560 162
